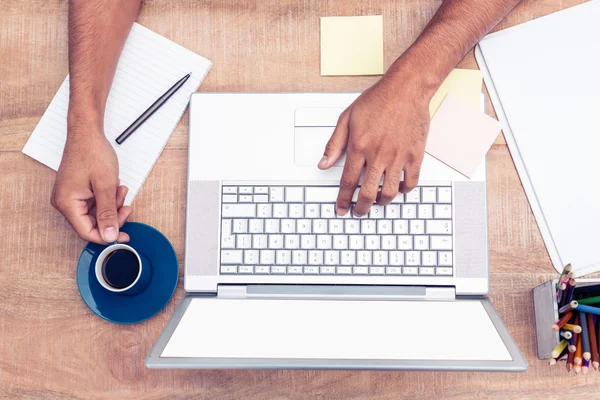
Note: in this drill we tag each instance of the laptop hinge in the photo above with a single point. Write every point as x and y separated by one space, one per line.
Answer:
337 292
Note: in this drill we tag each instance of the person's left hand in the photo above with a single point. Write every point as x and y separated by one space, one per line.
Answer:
385 131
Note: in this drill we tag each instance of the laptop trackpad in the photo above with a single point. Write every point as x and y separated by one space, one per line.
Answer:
309 145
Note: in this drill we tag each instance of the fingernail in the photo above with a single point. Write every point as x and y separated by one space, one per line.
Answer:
110 234
323 162
341 211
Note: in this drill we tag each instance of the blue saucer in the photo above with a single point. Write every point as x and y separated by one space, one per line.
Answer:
129 309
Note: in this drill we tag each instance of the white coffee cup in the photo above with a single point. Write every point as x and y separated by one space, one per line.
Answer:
139 278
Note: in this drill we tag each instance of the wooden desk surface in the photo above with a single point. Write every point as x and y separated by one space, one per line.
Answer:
53 346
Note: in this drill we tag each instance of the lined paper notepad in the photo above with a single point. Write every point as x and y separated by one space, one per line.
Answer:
149 65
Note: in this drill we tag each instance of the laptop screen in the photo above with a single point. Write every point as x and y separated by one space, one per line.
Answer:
336 330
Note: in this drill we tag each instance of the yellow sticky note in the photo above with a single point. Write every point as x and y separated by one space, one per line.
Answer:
352 45
462 83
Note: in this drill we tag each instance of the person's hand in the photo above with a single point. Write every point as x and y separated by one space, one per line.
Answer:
385 131
87 191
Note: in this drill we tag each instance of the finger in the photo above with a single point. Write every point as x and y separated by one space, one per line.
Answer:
106 210
348 182
124 213
84 224
337 143
121 194
123 237
391 184
411 177
368 190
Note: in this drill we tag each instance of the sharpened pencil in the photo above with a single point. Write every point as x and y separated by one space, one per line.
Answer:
562 321
589 300
575 338
566 334
593 341
585 338
559 348
568 307
577 359
572 328
585 364
568 268
570 358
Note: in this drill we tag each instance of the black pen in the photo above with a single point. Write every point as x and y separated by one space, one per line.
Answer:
151 110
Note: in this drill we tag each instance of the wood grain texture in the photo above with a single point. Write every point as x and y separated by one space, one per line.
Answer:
52 346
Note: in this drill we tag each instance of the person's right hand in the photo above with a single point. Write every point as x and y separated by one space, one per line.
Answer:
87 190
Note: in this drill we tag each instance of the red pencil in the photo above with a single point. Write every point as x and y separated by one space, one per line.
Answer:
593 341
563 320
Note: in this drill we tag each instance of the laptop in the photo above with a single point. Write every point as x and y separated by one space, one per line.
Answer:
275 279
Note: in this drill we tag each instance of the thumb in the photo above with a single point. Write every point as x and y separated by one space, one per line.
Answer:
336 144
106 211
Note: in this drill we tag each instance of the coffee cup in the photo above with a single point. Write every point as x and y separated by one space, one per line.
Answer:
120 269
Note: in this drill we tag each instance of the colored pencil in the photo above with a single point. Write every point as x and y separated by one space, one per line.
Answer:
575 337
589 300
559 348
585 338
568 307
562 286
588 309
593 341
562 321
585 366
568 268
571 290
570 358
572 328
577 359
566 334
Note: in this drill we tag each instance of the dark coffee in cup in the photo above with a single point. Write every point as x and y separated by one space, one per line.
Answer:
120 268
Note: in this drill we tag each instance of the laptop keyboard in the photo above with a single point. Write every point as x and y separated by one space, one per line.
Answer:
294 230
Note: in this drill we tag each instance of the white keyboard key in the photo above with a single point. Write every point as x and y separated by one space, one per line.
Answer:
393 271
312 210
280 210
340 242
261 198
399 198
238 211
308 242
352 226
376 211
445 258
332 257
380 258
327 270
292 242
276 195
311 270
322 194
264 210
372 242
368 226
267 257
296 211
261 190
256 226
429 258
384 226
278 269
327 210
348 257
377 270
441 242
303 226
230 198
227 239
294 194
246 269
392 211
260 241
324 242
357 242
244 241
272 226
410 270
229 269
438 227
396 257
426 271
283 257
442 211
245 198
336 226
428 194
229 189
405 242
421 242
413 258
388 242
261 269
444 195
425 211
443 271
315 257
319 226
361 270
232 257
416 227
400 227
413 196
299 257
240 226
276 241
364 257
294 270
246 190
409 211
251 257
288 226
344 270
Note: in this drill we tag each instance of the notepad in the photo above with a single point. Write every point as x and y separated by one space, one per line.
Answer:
149 65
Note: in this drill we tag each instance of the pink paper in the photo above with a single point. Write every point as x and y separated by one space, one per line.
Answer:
460 135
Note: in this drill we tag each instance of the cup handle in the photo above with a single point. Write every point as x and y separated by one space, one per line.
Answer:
112 243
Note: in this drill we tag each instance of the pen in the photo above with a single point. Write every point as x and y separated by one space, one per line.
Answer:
151 110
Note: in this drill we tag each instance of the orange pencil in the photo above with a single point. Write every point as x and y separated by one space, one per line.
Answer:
572 328
578 356
562 321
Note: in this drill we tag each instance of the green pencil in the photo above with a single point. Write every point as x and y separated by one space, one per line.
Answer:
589 300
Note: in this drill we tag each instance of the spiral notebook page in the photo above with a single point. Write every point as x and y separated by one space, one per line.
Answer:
149 65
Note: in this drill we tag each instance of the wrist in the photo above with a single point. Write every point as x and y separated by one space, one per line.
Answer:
84 121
